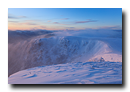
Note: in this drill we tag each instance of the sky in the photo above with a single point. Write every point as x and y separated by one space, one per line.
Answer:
64 18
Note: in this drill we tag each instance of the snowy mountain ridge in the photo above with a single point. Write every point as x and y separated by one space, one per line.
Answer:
56 50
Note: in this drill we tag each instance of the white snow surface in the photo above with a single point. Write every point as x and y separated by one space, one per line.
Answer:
67 58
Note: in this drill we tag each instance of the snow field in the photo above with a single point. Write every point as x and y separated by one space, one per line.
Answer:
71 73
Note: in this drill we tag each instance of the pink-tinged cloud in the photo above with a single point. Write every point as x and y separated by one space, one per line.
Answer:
31 23
22 17
85 21
42 26
27 23
49 21
69 27
56 22
65 19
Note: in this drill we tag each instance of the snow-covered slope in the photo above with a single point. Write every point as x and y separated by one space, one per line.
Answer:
61 50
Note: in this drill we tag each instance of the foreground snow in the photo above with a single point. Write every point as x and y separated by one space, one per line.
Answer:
100 72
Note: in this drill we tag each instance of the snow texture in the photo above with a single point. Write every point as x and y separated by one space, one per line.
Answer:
71 73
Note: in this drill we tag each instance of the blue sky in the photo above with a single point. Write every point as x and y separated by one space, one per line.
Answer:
64 18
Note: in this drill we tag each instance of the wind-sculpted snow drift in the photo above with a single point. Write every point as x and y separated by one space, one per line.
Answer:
46 49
